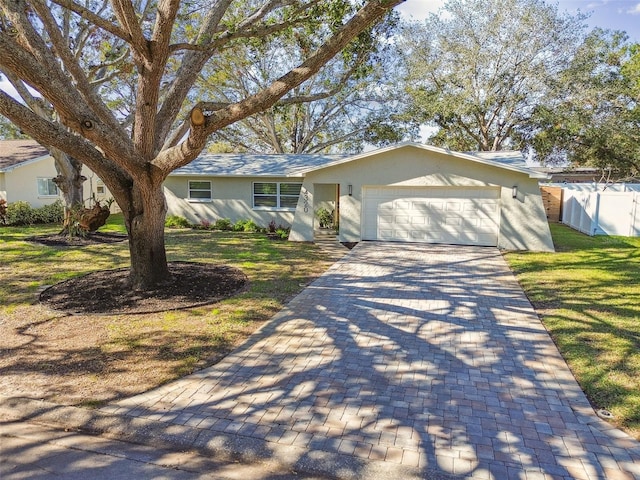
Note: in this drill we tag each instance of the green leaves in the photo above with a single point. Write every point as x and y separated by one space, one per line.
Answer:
478 72
595 120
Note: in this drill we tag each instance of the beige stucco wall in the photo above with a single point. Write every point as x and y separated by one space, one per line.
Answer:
523 220
3 186
21 183
232 199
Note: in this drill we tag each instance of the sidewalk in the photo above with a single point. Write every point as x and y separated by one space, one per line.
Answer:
38 452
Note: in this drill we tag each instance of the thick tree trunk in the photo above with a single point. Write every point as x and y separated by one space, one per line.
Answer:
69 179
145 226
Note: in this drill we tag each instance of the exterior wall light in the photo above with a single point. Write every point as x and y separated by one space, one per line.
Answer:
514 191
350 188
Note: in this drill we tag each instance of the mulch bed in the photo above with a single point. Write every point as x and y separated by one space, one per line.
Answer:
108 291
94 238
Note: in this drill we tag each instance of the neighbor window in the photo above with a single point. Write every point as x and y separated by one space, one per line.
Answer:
276 195
100 190
46 187
200 190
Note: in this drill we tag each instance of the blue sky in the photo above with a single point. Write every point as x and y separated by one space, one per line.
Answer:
608 14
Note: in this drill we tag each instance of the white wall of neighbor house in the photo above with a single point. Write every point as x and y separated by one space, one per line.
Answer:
3 186
230 198
523 219
22 184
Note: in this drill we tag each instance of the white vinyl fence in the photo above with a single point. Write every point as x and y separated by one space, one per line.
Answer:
602 212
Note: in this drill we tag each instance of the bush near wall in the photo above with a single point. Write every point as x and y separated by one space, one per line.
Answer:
22 213
225 224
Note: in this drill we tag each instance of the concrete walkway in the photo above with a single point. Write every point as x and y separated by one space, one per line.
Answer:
403 361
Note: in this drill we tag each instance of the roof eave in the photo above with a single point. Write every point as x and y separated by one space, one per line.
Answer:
24 163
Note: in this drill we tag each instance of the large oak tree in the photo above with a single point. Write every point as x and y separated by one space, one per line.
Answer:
168 43
477 70
595 120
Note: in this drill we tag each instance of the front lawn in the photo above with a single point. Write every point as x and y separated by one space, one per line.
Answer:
588 295
91 359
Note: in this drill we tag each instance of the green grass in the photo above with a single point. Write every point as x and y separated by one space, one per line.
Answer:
588 295
127 354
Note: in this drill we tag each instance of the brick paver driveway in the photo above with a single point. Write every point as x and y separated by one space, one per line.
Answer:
428 359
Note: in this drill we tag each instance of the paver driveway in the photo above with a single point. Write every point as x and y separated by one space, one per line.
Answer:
428 358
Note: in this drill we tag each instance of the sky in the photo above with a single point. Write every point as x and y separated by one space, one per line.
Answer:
607 14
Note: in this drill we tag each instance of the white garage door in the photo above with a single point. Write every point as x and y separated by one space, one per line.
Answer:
460 216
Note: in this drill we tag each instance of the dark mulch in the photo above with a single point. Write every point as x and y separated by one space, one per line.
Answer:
93 238
108 292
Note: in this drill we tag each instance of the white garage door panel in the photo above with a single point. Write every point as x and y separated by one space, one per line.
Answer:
464 216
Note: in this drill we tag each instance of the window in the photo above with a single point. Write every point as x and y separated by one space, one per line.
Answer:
100 190
200 190
46 187
276 195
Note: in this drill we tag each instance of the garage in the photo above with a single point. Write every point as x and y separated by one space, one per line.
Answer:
449 215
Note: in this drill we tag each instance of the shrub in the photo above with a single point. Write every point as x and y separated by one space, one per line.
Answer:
325 217
176 221
20 213
283 232
246 226
222 224
203 225
53 213
272 228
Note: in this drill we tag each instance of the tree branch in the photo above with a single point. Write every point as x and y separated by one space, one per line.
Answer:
46 77
52 135
95 19
126 15
204 47
188 72
82 83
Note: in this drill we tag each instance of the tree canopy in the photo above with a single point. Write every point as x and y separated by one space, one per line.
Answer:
478 69
135 131
595 120
351 101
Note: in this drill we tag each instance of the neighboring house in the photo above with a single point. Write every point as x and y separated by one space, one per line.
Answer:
405 193
27 172
571 175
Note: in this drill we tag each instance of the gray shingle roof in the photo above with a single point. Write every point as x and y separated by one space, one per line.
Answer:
256 165
14 152
298 165
512 158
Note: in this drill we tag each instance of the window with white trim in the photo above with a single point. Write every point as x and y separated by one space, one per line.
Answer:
276 195
100 190
46 187
200 190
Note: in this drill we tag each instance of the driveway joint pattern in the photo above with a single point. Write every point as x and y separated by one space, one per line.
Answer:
422 356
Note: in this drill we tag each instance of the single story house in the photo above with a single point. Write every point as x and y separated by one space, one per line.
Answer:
405 193
27 172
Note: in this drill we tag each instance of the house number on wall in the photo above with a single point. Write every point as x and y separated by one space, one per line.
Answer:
306 201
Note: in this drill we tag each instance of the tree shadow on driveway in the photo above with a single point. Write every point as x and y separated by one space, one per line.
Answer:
420 360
